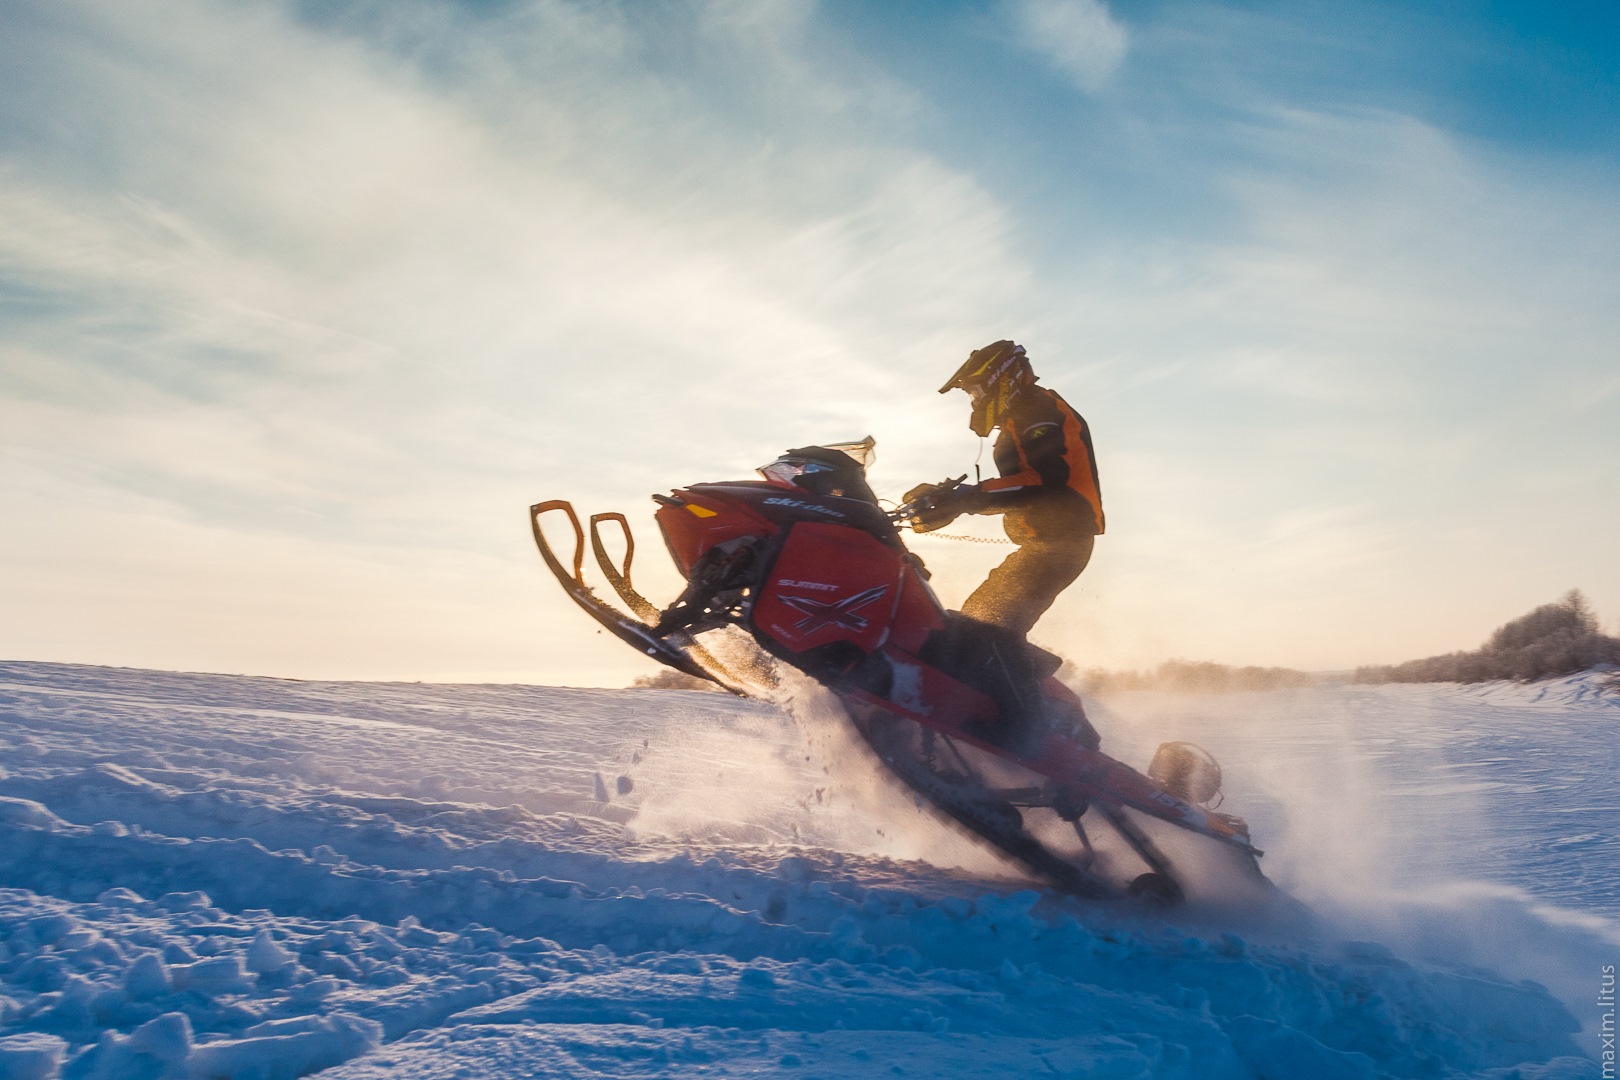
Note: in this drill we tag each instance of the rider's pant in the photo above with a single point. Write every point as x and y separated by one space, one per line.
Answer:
1019 591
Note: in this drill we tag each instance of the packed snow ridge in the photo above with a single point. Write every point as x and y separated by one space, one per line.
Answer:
211 876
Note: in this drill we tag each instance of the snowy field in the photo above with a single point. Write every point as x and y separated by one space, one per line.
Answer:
213 876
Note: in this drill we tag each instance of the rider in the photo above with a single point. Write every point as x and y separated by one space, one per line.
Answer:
1051 507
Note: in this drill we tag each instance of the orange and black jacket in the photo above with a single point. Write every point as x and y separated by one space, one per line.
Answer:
1048 487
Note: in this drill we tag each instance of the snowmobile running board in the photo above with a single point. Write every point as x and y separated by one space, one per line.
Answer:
636 634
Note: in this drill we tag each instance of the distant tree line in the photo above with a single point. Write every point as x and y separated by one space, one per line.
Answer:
1193 676
1554 639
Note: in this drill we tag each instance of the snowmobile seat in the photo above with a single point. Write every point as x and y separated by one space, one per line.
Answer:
965 643
1000 664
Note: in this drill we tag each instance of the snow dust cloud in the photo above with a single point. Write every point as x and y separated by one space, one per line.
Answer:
1418 816
801 776
874 797
1388 811
1456 827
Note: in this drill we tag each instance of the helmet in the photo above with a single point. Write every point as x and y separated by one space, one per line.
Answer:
992 376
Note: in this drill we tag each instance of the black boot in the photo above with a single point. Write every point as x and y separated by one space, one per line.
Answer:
1017 695
1000 664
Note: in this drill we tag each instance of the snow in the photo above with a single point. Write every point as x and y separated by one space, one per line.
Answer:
216 876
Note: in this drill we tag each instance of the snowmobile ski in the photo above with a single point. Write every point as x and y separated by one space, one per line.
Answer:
638 635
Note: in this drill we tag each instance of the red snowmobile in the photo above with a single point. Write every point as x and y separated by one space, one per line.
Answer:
815 571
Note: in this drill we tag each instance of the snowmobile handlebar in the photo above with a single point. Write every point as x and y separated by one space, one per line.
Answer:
925 497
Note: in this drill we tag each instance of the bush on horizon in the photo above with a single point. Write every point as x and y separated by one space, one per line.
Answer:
1555 639
670 679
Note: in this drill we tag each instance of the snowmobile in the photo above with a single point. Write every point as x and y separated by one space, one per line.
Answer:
815 573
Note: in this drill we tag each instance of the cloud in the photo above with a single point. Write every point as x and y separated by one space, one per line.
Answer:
1080 38
366 279
334 237
378 286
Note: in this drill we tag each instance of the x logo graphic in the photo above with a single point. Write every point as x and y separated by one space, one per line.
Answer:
818 614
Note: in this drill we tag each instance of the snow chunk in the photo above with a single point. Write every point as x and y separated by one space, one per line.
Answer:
264 955
1276 1052
158 1048
164 1047
27 813
757 977
31 1056
326 855
214 976
287 1049
148 977
195 900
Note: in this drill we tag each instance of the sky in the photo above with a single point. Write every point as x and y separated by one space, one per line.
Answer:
303 304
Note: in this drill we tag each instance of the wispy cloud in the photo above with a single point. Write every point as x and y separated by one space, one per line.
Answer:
1080 38
338 291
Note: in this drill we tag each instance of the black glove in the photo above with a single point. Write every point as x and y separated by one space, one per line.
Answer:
934 506
923 491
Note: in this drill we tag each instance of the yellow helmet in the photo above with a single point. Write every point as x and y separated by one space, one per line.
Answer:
992 376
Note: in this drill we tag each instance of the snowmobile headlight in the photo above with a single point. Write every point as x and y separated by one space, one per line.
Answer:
788 470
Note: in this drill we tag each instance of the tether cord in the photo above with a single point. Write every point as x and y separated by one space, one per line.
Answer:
967 539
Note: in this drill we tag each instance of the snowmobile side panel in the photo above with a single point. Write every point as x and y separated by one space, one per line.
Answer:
786 504
829 583
692 523
922 693
917 615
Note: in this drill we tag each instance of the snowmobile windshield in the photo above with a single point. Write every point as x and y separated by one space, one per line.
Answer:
793 466
837 470
863 452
